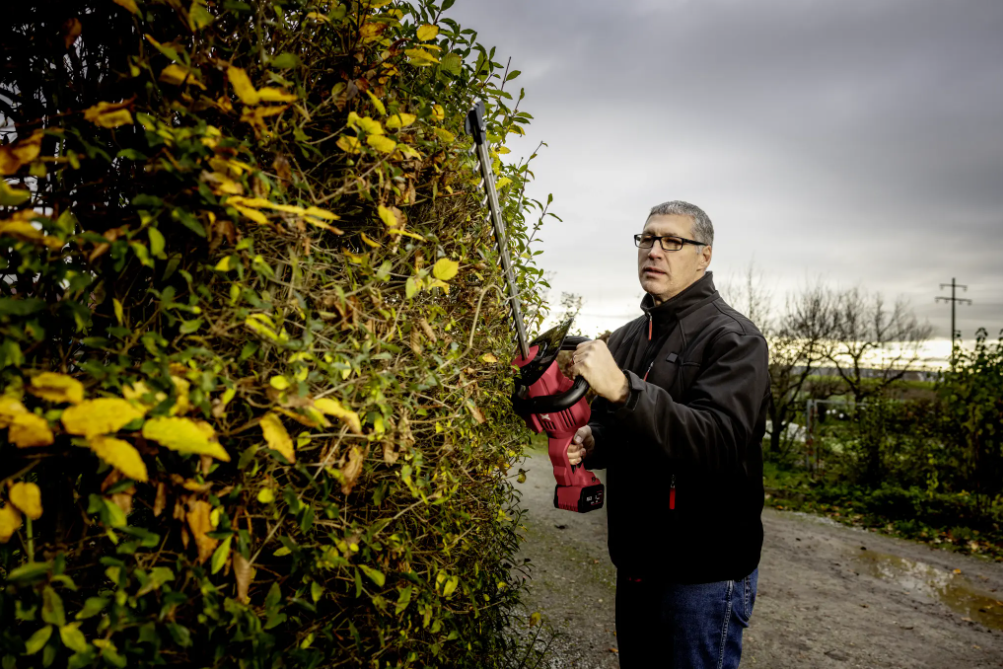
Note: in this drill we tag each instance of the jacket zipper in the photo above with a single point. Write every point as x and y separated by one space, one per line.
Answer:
649 339
672 493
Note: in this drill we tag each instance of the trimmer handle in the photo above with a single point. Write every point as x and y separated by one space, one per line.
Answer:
554 403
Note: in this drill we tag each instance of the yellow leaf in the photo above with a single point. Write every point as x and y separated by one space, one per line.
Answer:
19 227
10 522
28 498
438 113
427 32
119 313
420 57
503 150
12 197
128 4
121 455
181 388
409 152
276 436
185 436
224 265
108 114
57 388
100 416
437 283
266 496
381 143
445 135
489 358
368 240
377 103
501 183
28 430
179 74
400 121
242 85
269 94
318 17
349 144
10 408
252 214
333 407
369 126
20 153
388 216
370 31
395 231
445 269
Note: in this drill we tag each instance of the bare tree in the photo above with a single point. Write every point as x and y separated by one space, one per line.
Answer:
874 345
798 345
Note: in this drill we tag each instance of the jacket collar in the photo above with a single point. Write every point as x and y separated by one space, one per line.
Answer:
694 295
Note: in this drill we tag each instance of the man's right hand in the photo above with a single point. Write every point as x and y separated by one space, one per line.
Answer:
581 445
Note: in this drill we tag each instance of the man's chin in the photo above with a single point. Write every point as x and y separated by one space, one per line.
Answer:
654 284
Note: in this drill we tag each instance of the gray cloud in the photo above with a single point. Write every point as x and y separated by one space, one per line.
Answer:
855 140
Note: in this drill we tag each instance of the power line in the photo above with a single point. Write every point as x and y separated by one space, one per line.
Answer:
953 299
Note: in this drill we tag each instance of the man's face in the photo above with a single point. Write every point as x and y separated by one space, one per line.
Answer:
665 274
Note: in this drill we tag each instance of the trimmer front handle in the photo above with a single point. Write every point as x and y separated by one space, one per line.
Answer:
550 402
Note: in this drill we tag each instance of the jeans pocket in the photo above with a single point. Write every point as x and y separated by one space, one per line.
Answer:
741 601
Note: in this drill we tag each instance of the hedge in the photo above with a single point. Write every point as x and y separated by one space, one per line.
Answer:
255 402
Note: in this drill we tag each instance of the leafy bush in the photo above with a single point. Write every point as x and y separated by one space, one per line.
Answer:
251 331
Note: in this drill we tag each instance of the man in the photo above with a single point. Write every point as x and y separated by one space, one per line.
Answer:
678 425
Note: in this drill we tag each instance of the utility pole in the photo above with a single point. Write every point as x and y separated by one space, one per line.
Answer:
953 299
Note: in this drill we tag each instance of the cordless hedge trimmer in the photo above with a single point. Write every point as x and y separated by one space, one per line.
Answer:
544 397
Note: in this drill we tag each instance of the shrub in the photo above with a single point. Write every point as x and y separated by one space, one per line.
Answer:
253 404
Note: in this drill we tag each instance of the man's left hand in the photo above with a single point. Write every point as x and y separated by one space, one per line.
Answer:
593 360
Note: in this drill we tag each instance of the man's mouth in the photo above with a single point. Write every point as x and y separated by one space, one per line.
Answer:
652 270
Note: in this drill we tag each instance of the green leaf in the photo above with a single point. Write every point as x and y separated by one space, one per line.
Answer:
157 243
452 63
29 571
219 558
285 60
37 640
92 607
20 306
52 607
189 221
316 591
73 638
513 74
410 287
403 600
375 575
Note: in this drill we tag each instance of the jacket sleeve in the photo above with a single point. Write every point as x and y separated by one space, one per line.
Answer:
603 433
712 430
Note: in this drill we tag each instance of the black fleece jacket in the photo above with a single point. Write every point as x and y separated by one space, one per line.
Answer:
684 453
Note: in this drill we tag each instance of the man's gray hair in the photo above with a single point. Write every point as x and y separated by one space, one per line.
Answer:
703 229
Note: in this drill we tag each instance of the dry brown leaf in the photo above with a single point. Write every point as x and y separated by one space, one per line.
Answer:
243 572
390 454
429 332
198 521
352 469
160 502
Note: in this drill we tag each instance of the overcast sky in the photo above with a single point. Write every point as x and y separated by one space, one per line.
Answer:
860 141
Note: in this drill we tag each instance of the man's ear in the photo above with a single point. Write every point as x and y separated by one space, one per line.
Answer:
706 252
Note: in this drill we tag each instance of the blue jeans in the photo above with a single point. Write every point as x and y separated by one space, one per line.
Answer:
663 625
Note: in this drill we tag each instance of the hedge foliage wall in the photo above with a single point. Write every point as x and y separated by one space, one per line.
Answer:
254 405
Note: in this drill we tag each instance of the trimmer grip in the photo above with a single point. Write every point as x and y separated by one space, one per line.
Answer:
577 489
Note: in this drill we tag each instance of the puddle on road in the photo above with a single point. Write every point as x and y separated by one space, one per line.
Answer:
954 590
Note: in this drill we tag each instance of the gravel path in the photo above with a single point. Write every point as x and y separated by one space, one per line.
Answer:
829 595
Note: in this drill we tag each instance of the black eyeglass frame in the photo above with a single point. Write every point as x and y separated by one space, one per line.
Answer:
659 238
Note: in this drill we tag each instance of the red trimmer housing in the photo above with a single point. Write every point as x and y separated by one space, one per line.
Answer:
550 402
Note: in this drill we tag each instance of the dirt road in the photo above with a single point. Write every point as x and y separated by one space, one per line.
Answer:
829 596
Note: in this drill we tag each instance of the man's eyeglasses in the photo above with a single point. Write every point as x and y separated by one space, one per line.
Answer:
668 243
